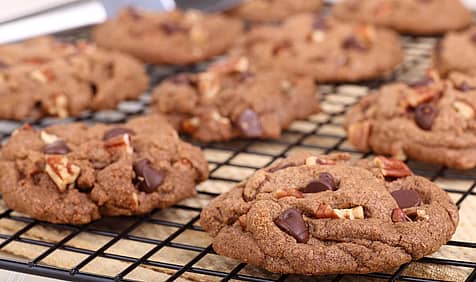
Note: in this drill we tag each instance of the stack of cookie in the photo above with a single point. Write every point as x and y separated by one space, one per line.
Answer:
306 214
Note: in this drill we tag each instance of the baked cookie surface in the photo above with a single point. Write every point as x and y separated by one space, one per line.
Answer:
319 215
76 174
431 120
79 77
273 10
456 52
177 37
232 100
407 16
323 48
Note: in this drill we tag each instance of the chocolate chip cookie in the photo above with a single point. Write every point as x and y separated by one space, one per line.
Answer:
76 173
319 215
431 120
273 10
231 99
456 52
65 81
417 17
176 37
324 48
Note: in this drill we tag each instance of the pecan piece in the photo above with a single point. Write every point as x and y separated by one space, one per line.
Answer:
358 134
398 215
61 171
120 142
289 193
464 109
326 211
392 167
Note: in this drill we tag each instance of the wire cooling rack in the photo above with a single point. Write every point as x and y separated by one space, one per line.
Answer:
170 244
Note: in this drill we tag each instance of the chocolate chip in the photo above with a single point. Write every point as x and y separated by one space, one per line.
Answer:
172 28
320 23
352 42
407 198
117 131
464 86
249 123
421 82
473 38
147 177
325 182
425 115
58 147
291 222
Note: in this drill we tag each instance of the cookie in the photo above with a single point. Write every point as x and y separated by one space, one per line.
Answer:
430 120
428 17
231 99
456 52
176 37
317 215
78 77
75 173
323 48
273 10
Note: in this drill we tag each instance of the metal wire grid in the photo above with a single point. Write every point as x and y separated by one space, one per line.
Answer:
321 133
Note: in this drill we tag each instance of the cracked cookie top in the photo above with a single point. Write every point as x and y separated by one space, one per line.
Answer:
273 10
431 120
48 78
418 17
232 99
456 52
175 37
323 48
316 215
75 173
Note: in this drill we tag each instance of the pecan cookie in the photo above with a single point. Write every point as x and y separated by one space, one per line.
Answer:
76 173
176 37
407 16
273 10
431 120
456 52
319 215
231 99
79 77
324 48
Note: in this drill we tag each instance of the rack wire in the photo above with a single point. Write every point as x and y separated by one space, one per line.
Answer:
172 253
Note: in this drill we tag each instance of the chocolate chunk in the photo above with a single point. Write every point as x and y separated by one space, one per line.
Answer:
464 86
172 28
250 124
147 177
116 131
291 222
425 115
58 147
352 42
398 215
421 82
325 182
320 23
407 198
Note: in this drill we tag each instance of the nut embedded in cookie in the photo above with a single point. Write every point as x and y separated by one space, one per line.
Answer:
62 171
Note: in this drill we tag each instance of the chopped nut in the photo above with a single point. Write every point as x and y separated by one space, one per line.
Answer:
60 106
326 211
464 109
392 167
422 214
398 215
289 193
242 220
286 85
312 160
135 200
191 125
219 118
318 36
25 127
122 142
418 96
208 84
61 171
415 213
358 134
235 64
366 34
48 138
39 76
